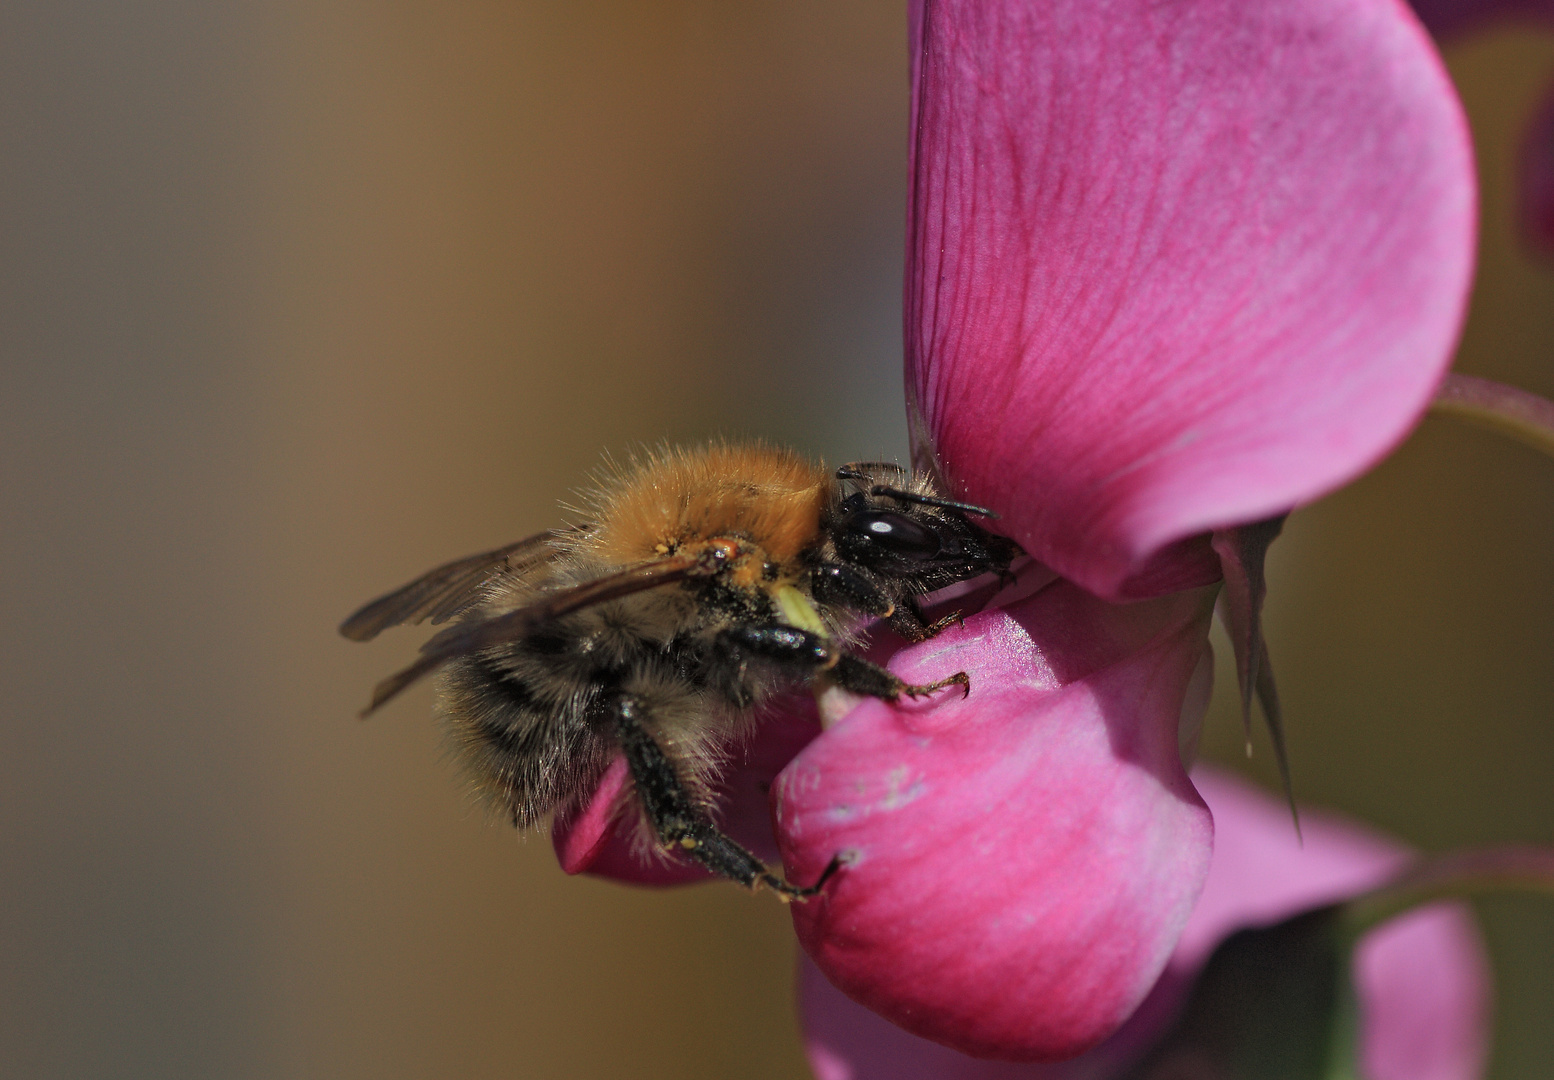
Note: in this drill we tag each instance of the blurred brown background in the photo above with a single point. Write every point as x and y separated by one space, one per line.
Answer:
300 299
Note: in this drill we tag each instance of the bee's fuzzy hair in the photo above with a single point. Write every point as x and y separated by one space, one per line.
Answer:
656 498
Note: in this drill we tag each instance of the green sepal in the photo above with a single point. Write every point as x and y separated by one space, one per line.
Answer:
1272 1003
1278 1002
1242 552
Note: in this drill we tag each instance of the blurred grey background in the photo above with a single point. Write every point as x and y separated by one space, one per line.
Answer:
301 299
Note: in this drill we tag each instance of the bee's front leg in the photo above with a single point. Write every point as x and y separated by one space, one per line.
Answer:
910 623
676 818
859 676
850 587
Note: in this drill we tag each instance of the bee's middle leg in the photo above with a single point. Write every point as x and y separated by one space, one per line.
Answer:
810 654
676 818
859 676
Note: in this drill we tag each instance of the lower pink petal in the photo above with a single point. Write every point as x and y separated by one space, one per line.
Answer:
601 839
845 1041
1422 980
1020 863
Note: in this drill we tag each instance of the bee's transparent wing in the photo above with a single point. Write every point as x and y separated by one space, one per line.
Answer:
444 592
472 637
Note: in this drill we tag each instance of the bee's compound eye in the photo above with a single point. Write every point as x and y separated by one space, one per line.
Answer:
896 533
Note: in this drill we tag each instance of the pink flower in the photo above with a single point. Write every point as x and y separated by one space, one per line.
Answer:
1171 269
1422 980
1449 19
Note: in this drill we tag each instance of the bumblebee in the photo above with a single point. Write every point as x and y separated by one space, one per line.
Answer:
701 582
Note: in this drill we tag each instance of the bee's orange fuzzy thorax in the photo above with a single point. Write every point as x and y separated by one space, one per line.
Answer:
771 496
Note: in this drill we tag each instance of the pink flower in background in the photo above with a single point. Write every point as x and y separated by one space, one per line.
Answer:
1450 20
1422 980
1171 269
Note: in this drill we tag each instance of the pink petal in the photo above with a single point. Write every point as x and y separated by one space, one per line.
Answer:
1453 18
1422 979
1175 267
845 1041
1021 862
1449 17
600 840
1537 175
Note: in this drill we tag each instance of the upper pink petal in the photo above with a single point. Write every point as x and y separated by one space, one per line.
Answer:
1422 980
1176 266
1020 862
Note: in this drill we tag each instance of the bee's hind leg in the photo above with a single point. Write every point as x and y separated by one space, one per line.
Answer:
677 819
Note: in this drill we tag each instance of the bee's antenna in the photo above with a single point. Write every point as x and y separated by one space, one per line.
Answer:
855 470
929 500
849 472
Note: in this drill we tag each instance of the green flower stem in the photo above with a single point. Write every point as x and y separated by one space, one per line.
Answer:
1518 414
1452 876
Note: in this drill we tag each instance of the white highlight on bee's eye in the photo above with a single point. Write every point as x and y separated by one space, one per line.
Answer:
879 526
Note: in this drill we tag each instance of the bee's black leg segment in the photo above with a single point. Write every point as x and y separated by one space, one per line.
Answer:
859 676
778 644
933 629
677 819
675 816
909 621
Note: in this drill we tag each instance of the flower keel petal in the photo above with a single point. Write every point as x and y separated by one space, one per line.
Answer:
1421 979
1021 862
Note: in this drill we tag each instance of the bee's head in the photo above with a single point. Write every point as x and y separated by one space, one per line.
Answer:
902 533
